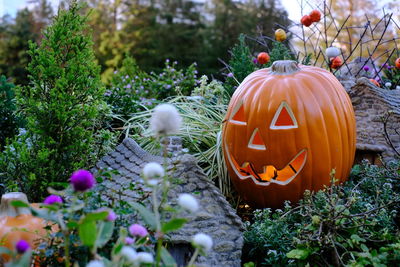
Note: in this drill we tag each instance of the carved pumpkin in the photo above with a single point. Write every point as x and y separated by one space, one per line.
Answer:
286 128
18 223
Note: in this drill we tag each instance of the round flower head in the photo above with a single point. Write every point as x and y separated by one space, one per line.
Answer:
165 120
188 202
230 75
388 84
366 68
95 263
129 240
203 241
22 246
82 180
137 230
111 216
129 254
145 257
52 199
332 52
153 170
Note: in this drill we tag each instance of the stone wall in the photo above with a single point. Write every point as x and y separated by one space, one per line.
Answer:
370 104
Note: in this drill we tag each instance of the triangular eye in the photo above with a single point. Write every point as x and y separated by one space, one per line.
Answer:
238 115
284 118
256 141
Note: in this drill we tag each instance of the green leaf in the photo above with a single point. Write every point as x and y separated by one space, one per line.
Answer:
299 254
87 233
173 225
167 259
95 216
147 215
19 204
23 261
105 233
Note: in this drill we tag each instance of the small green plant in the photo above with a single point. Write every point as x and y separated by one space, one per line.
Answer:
133 90
341 225
240 65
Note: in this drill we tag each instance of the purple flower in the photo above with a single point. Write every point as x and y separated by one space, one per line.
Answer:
128 86
366 68
22 246
111 216
255 61
230 75
129 240
137 230
82 180
53 199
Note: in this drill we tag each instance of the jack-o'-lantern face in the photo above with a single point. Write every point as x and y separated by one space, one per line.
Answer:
286 128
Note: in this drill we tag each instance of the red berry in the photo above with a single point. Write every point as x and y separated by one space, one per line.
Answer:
397 63
306 20
263 58
336 62
315 15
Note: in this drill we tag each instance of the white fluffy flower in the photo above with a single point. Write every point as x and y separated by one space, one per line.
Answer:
388 84
398 87
153 170
165 120
95 263
188 202
204 241
144 257
332 52
129 253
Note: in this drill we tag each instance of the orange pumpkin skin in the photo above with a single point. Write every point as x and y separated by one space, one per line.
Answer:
397 63
315 134
375 82
22 226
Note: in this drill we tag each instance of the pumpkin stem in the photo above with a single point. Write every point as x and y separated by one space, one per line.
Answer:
284 67
6 209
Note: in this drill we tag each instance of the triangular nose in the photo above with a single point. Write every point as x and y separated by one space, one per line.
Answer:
256 141
284 118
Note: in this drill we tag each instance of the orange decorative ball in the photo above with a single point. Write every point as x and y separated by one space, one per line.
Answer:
397 63
18 223
315 15
280 35
375 82
263 58
336 62
287 127
306 20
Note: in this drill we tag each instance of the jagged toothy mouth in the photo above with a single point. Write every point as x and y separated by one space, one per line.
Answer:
270 173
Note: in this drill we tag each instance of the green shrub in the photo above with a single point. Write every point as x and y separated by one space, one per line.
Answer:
346 224
133 90
63 107
9 122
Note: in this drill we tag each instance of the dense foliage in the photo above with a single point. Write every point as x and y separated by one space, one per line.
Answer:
353 224
9 122
133 90
63 107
